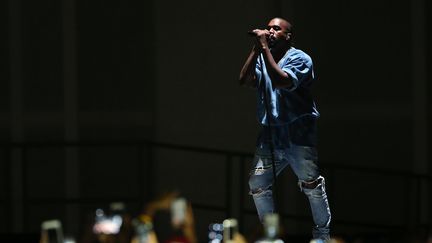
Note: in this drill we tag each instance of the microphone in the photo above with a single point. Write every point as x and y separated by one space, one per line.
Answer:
251 33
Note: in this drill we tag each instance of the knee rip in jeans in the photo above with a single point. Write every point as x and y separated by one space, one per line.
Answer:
259 191
311 184
260 170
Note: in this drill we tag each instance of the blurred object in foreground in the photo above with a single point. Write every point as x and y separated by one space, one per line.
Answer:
271 229
51 231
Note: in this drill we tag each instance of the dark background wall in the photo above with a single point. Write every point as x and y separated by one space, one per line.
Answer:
90 73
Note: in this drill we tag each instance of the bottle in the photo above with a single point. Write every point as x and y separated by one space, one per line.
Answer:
271 229
230 229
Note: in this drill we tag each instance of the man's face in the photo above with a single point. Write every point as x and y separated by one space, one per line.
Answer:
278 31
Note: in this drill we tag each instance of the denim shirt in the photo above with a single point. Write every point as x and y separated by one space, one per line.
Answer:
286 104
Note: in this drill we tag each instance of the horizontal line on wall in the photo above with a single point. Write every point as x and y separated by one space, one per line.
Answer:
84 118
366 112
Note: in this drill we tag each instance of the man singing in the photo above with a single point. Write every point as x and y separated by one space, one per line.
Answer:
283 76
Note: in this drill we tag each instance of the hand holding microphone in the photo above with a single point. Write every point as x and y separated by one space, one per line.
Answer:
262 37
251 33
258 33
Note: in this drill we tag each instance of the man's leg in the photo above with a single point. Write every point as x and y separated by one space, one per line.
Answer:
313 186
261 180
315 191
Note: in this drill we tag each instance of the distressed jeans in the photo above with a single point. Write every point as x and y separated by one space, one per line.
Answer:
302 160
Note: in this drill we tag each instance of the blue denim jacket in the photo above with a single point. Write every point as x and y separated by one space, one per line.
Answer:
286 104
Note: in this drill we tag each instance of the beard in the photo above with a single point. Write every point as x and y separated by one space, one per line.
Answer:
278 44
272 41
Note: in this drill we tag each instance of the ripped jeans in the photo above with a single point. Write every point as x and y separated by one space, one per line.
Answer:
302 160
